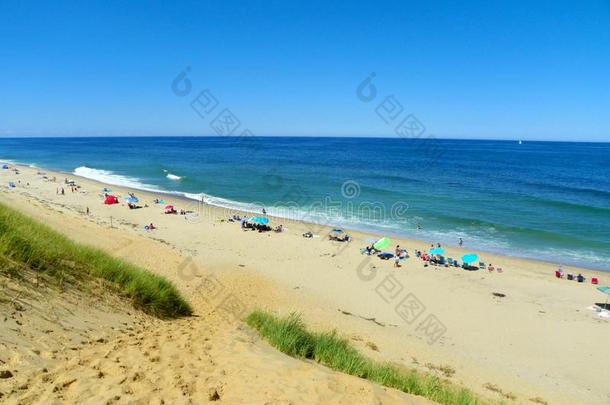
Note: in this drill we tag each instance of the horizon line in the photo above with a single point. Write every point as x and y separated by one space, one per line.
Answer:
424 138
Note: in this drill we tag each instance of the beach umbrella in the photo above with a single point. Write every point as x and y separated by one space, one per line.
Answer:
437 251
169 207
337 232
605 290
132 200
470 258
5 166
111 200
382 243
259 220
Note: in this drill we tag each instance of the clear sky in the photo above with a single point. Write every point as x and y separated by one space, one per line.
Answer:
478 69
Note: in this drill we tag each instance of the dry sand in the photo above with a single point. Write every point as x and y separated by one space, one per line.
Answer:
539 340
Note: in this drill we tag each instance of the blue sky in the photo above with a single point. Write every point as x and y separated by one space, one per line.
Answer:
480 69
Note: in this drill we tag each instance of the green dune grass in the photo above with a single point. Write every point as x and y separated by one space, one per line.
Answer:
25 243
290 336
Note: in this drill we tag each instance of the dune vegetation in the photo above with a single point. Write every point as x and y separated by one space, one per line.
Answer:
28 245
290 336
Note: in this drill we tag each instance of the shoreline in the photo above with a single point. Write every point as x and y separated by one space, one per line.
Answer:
364 234
533 340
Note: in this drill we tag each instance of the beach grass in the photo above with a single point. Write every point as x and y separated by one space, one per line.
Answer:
32 245
290 336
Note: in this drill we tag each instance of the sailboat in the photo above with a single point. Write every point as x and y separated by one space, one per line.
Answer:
520 142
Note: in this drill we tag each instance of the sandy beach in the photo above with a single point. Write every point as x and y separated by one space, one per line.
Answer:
517 336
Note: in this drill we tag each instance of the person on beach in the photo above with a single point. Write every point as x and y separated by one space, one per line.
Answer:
461 242
397 255
400 254
87 210
490 268
62 191
559 272
264 211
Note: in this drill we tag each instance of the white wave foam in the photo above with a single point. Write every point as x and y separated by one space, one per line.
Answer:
108 177
173 176
15 162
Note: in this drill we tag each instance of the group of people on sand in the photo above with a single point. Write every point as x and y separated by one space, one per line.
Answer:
246 225
569 276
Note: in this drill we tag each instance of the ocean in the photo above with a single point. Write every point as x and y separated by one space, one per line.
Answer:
540 200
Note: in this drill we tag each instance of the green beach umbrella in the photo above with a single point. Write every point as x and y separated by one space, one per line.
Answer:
382 243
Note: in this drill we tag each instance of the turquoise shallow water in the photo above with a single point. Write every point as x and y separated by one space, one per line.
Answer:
545 200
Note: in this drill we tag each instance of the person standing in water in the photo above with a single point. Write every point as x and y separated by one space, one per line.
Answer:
461 242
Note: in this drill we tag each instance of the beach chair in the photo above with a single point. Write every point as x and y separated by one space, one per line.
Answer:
482 265
450 261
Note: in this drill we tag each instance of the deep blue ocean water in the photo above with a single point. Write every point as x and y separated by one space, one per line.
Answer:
544 200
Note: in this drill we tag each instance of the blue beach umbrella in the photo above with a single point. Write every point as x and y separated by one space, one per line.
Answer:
132 200
470 258
437 251
259 220
605 290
